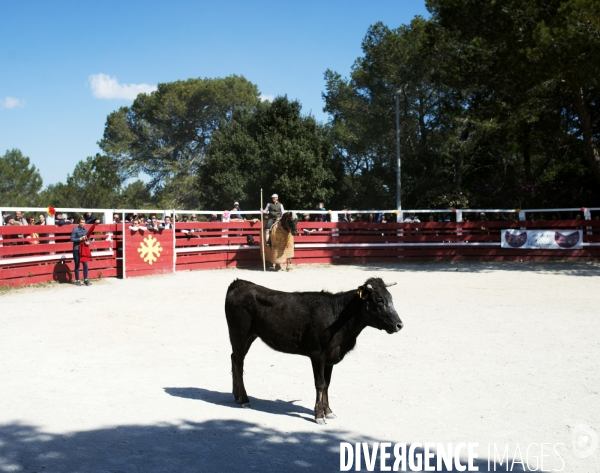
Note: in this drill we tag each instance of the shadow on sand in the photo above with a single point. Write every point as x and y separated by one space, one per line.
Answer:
188 447
226 399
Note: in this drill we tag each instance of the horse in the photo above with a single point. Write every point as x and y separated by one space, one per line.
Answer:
282 240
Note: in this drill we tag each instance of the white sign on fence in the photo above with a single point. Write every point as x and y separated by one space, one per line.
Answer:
542 239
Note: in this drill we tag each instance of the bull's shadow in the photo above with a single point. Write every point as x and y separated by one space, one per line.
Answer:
277 407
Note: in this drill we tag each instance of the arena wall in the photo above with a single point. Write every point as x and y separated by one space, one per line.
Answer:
27 257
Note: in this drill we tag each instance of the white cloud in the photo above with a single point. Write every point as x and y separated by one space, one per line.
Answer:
106 87
11 102
267 97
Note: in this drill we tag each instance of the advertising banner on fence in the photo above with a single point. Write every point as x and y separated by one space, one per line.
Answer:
542 239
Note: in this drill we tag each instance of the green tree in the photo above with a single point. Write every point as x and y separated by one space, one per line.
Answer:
20 181
166 133
95 183
273 147
137 195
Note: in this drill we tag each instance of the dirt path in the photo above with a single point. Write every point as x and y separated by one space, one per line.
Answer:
134 375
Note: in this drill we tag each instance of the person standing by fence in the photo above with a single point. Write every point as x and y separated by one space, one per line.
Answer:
79 236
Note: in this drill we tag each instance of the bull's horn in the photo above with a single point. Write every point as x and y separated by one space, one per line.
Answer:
391 284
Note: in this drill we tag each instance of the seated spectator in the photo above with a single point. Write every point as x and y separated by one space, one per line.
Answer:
194 218
31 220
90 218
358 218
185 219
60 221
383 219
41 220
306 218
116 218
168 225
412 218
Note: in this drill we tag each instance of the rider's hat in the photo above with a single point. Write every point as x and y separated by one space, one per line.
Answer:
274 195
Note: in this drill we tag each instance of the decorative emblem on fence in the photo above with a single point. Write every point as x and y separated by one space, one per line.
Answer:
150 251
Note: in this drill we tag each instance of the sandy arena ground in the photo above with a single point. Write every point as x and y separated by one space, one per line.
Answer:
134 376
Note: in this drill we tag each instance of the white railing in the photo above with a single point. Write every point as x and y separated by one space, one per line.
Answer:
107 214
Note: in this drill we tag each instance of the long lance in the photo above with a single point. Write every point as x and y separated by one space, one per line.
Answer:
262 233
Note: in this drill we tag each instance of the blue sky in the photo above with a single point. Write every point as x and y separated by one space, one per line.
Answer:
49 51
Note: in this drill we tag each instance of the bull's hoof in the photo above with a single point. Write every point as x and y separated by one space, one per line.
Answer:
331 415
246 405
320 421
238 401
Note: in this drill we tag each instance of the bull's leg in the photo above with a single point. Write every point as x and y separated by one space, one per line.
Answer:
328 412
237 362
318 365
235 390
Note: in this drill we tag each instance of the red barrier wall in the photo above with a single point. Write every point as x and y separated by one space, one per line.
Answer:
29 259
204 245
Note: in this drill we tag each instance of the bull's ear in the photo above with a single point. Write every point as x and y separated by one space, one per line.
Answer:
364 291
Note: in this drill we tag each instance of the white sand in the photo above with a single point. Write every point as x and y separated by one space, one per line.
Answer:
134 375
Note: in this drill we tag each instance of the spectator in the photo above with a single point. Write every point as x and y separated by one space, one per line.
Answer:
19 217
482 217
431 219
213 218
343 216
168 225
358 218
31 220
176 216
445 218
60 221
78 237
90 218
154 224
235 210
531 217
194 218
42 219
9 219
136 225
383 218
116 218
412 218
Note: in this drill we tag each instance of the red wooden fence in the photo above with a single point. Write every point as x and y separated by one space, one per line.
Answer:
27 259
41 253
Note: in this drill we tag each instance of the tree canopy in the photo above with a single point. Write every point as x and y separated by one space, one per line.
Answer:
20 181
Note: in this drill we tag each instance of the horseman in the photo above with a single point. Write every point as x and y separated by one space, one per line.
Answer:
274 210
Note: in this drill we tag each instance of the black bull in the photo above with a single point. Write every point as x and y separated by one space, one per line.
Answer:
320 325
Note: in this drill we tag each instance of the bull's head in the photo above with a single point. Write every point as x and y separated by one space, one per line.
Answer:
380 309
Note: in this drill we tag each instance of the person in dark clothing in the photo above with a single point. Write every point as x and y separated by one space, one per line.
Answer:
60 221
90 218
78 237
274 210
